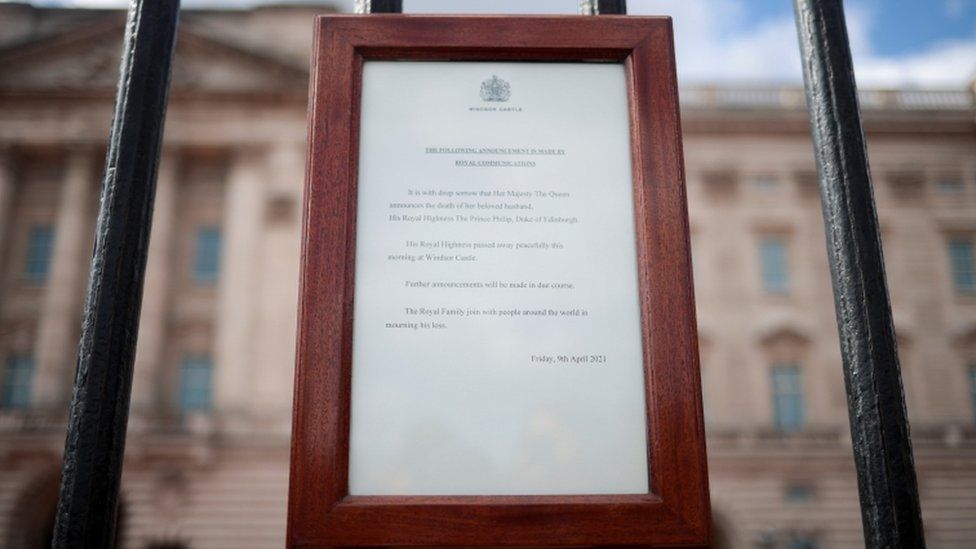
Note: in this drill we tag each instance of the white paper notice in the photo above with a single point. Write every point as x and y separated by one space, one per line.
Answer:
496 336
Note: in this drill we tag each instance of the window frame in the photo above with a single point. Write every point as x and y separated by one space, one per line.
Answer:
789 403
13 365
971 375
194 365
774 271
207 252
38 236
963 276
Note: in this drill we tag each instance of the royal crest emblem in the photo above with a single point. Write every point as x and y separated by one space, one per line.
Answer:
495 89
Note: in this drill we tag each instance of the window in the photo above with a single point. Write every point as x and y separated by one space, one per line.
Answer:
788 413
196 381
40 244
774 265
949 185
963 265
799 493
972 387
766 184
17 381
206 263
802 542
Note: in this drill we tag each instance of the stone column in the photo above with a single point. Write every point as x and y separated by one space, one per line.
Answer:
278 297
238 287
156 293
6 205
56 348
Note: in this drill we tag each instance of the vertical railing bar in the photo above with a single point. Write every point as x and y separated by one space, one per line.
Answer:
602 7
887 484
379 6
99 409
611 7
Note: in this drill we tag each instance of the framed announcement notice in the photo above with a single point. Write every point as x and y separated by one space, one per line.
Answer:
497 339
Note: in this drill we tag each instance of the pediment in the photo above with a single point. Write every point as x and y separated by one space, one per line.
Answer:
784 329
85 61
786 336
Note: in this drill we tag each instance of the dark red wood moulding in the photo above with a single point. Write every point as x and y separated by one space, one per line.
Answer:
675 509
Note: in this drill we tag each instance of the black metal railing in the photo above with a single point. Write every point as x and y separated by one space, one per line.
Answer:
887 486
99 410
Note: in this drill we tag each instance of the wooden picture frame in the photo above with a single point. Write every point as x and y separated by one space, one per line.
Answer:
675 509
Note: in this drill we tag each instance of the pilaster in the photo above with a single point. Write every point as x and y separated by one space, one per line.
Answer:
156 294
280 249
59 324
238 287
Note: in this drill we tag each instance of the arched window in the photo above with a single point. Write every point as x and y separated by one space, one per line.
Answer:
785 349
965 344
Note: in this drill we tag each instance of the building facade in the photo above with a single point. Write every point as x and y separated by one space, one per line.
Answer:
207 455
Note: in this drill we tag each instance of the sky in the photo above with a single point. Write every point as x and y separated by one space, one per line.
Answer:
896 43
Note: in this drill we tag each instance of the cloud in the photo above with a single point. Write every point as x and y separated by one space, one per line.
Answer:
947 63
717 41
950 64
954 8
